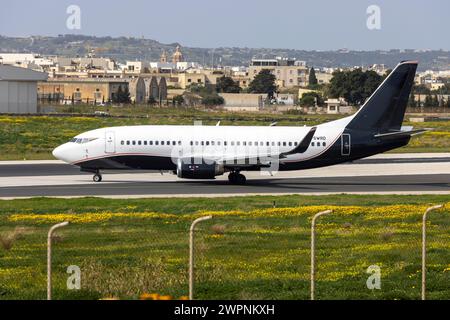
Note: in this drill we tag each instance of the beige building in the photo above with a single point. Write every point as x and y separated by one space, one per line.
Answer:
243 101
288 72
187 79
87 90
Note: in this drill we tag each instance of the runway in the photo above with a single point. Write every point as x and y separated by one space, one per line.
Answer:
382 174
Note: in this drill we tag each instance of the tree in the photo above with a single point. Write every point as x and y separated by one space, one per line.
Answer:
264 82
212 100
122 95
355 85
178 100
227 85
312 77
311 99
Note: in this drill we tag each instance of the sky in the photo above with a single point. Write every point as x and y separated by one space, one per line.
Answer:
292 24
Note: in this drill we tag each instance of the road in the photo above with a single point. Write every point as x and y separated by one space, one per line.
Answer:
383 174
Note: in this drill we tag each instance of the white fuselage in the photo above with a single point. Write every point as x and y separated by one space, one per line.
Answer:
218 143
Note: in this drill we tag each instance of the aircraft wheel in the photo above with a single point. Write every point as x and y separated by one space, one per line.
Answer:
232 177
97 178
241 179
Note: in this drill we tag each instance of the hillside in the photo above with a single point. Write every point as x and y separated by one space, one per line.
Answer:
125 48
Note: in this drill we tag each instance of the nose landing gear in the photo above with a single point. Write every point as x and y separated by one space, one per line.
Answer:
97 177
237 178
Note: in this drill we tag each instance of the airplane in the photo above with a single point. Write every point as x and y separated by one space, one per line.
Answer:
204 152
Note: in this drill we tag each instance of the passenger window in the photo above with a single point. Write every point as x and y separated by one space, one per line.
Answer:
151 142
324 144
145 142
156 142
122 142
196 143
128 142
134 142
202 143
295 143
139 142
284 144
162 143
249 143
218 143
192 143
279 143
212 143
207 143
238 143
232 143
312 144
225 143
168 143
273 144
179 143
290 144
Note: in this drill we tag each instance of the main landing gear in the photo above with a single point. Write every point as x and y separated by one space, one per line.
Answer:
237 178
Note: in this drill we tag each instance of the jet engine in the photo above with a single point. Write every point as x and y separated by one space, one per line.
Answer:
189 169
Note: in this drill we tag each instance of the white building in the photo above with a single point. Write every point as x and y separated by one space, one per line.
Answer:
26 60
18 89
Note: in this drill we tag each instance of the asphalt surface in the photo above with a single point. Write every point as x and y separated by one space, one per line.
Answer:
400 183
54 169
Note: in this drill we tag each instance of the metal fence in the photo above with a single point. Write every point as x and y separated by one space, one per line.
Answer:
263 254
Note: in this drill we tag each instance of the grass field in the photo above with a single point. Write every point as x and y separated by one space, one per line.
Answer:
249 250
34 138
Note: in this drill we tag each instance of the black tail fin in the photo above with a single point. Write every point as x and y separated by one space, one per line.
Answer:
385 109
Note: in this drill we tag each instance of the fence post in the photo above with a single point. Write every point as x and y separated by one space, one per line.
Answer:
313 249
424 247
191 255
49 257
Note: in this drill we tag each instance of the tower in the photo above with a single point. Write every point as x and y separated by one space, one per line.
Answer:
177 56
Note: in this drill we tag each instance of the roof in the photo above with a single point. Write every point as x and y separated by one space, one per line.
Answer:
12 73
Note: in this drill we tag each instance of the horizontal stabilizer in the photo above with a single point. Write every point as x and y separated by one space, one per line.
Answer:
401 133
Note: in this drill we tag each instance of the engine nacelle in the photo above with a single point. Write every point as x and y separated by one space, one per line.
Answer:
188 169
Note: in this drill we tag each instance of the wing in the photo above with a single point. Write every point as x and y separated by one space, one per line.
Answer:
264 160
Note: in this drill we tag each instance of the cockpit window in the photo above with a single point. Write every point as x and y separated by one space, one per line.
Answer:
82 140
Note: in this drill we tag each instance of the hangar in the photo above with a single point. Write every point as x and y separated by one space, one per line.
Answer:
18 89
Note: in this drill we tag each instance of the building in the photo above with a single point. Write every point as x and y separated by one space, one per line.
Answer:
18 89
26 60
138 92
323 78
177 56
336 106
288 72
243 101
72 90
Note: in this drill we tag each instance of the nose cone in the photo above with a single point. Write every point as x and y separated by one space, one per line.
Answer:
57 152
62 153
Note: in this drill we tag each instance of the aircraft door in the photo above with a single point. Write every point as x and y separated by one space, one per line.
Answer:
345 144
110 142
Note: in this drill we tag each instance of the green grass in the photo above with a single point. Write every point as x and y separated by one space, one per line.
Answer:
238 256
33 138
